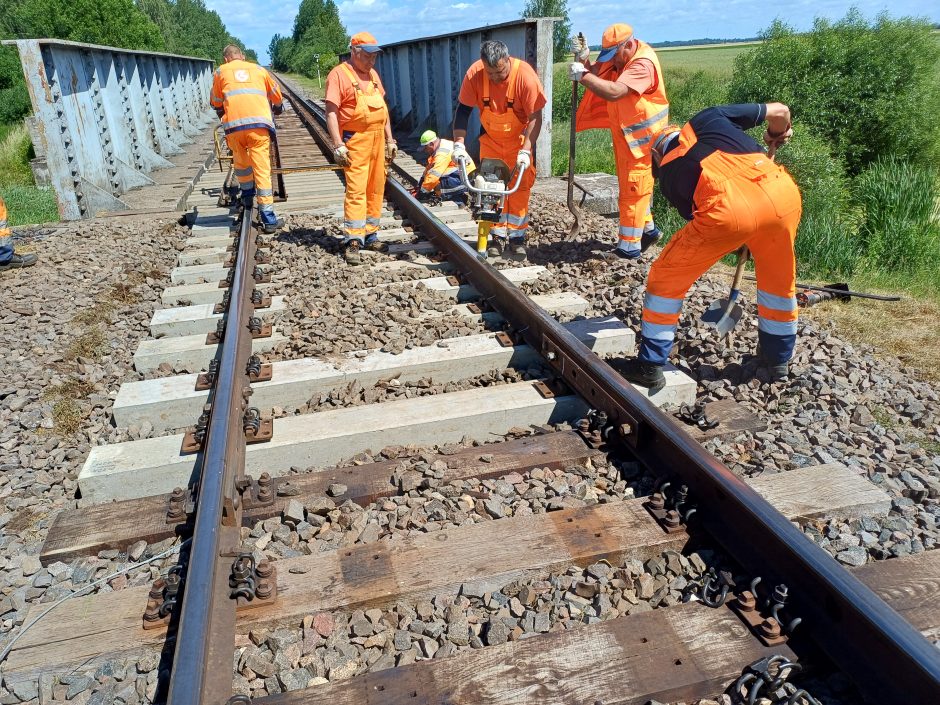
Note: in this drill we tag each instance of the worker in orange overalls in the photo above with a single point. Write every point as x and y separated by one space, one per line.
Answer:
442 172
510 98
357 120
625 92
244 96
720 179
9 259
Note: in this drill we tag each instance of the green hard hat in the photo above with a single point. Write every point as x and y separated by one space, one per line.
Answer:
427 137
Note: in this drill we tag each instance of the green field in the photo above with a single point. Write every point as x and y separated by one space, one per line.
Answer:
714 59
308 84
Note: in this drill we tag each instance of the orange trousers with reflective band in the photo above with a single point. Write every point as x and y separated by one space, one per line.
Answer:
365 183
514 221
251 152
763 214
635 178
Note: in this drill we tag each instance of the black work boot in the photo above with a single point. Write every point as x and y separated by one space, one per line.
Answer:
19 261
352 254
495 249
649 238
376 245
645 374
515 250
776 371
269 228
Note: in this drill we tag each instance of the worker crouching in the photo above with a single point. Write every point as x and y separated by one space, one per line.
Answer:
442 174
358 124
510 99
626 93
244 96
733 194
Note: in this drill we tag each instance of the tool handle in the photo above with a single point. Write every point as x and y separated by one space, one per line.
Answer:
744 255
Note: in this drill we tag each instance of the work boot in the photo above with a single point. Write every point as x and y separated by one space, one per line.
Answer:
269 228
375 245
776 371
19 261
645 374
352 254
515 250
627 254
648 238
495 249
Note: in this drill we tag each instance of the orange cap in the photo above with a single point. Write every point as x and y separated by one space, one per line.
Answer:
613 35
365 41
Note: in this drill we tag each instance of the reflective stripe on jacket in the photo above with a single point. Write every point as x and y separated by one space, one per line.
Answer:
639 117
246 92
441 164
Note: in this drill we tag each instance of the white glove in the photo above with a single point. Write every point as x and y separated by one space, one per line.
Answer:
391 151
460 153
580 48
523 160
341 156
576 71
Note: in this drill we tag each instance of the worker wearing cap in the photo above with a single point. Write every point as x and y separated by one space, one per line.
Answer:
442 173
357 120
510 99
9 259
244 96
720 179
626 93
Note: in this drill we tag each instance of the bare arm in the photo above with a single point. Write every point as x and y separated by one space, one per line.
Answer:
532 130
332 123
608 90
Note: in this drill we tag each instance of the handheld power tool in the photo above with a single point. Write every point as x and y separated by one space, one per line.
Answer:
488 195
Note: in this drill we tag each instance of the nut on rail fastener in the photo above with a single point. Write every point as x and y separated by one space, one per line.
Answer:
668 506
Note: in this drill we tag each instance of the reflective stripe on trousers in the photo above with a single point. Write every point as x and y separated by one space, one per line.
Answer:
517 205
252 162
635 179
365 182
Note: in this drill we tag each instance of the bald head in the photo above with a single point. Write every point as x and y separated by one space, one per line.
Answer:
232 53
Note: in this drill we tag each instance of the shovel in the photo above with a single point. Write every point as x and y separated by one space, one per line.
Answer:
724 314
576 226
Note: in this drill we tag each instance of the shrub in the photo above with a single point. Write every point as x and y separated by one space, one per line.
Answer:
871 89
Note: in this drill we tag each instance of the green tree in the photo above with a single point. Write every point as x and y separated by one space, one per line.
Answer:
561 36
318 32
871 89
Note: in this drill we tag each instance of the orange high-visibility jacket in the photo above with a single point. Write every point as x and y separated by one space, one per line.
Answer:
639 116
246 92
442 163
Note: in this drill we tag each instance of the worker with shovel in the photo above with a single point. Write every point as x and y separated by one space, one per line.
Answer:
734 196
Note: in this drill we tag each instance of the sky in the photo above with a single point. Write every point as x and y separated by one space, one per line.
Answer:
256 21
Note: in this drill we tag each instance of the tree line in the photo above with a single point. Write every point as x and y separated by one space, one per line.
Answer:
185 27
317 40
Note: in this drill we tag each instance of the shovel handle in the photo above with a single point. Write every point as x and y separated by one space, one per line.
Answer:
744 255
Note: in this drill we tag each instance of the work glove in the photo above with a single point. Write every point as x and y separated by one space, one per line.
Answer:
277 109
576 71
391 151
523 159
341 156
424 195
220 112
460 152
580 48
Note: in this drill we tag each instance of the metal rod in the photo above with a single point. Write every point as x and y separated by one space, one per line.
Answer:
880 650
202 662
843 292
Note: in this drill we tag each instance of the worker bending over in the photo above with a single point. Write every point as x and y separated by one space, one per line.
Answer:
357 120
9 259
626 93
244 96
442 173
510 98
721 180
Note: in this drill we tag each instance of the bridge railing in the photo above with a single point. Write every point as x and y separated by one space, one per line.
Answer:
104 118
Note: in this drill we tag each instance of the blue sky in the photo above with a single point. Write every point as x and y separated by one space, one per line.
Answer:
255 21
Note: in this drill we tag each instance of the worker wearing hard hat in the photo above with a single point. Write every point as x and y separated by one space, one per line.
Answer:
244 96
442 173
510 99
358 124
625 92
720 179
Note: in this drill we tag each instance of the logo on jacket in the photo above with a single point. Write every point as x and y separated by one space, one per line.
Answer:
241 76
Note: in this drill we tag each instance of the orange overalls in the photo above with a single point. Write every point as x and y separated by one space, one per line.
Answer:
502 140
634 119
6 235
245 92
364 136
740 199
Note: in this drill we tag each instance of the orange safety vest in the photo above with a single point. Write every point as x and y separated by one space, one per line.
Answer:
505 126
371 111
246 92
638 117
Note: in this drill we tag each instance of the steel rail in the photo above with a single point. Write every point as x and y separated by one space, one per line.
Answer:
883 653
205 639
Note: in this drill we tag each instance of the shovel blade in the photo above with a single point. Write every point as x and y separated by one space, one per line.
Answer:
722 316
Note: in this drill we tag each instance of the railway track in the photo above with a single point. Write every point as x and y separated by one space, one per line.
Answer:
525 570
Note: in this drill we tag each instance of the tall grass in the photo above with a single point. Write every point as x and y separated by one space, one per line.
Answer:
24 201
15 153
